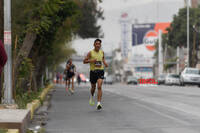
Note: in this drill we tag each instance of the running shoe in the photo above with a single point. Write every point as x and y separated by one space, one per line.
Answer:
72 91
99 107
91 102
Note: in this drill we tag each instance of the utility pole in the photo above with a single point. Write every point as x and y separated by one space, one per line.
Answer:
8 98
188 35
1 38
178 60
160 53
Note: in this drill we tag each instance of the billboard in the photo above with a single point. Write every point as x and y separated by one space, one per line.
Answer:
147 34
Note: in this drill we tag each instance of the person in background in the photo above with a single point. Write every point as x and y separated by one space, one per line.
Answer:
78 79
3 56
3 60
70 74
57 77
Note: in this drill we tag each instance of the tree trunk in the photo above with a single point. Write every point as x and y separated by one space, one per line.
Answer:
194 52
36 62
40 69
26 48
34 83
24 52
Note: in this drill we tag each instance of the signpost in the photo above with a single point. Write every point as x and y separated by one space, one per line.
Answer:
8 98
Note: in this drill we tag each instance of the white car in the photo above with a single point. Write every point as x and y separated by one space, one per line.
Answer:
190 76
172 79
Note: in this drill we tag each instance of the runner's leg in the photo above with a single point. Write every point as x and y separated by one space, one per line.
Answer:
99 95
99 86
72 83
92 91
93 87
66 84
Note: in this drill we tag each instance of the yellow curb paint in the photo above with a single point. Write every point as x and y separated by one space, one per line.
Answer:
13 131
45 91
36 103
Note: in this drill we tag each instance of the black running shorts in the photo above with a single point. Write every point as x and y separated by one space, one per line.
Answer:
69 75
95 75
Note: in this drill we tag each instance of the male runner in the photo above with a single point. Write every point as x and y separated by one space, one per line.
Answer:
70 73
97 62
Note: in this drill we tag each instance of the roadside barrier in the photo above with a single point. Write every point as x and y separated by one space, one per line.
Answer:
148 82
13 131
35 104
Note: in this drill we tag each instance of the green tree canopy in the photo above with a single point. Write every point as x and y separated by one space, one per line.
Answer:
177 33
44 29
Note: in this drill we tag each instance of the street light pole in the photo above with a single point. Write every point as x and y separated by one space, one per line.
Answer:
8 99
188 35
135 34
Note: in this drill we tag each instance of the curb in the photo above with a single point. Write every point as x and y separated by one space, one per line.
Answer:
35 104
13 131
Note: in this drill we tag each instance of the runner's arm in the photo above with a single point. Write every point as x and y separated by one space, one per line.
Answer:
74 69
87 59
65 71
104 61
67 67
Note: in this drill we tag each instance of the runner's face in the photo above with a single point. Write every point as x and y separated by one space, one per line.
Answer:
70 62
97 45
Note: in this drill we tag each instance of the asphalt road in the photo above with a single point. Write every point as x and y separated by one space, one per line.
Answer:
126 109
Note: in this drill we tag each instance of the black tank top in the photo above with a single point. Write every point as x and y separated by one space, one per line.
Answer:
71 69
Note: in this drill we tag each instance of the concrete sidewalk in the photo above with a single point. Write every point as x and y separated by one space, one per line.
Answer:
14 119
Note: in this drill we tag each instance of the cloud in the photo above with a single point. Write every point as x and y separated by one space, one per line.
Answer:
121 4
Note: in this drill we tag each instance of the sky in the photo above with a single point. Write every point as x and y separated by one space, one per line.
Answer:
145 11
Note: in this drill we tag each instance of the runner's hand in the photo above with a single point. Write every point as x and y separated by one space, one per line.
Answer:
106 65
93 61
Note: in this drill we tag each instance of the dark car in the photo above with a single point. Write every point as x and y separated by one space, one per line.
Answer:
161 79
131 80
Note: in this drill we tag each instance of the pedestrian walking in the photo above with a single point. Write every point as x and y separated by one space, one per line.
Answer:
78 79
57 77
70 74
97 62
61 78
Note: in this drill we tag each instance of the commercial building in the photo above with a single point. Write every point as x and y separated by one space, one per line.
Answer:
144 37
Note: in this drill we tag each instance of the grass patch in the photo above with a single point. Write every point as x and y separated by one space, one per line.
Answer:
22 99
3 130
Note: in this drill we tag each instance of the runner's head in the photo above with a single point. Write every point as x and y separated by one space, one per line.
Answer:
69 61
97 44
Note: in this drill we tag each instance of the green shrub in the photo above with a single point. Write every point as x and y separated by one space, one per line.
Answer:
22 99
3 130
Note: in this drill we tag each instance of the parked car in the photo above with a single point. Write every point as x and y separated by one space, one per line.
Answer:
108 80
161 79
172 79
190 76
131 80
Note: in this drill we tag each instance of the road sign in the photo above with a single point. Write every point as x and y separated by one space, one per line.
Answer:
7 37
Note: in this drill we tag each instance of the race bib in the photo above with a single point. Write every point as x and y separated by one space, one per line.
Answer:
71 70
98 64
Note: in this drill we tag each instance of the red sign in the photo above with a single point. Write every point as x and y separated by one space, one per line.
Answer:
124 15
7 37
